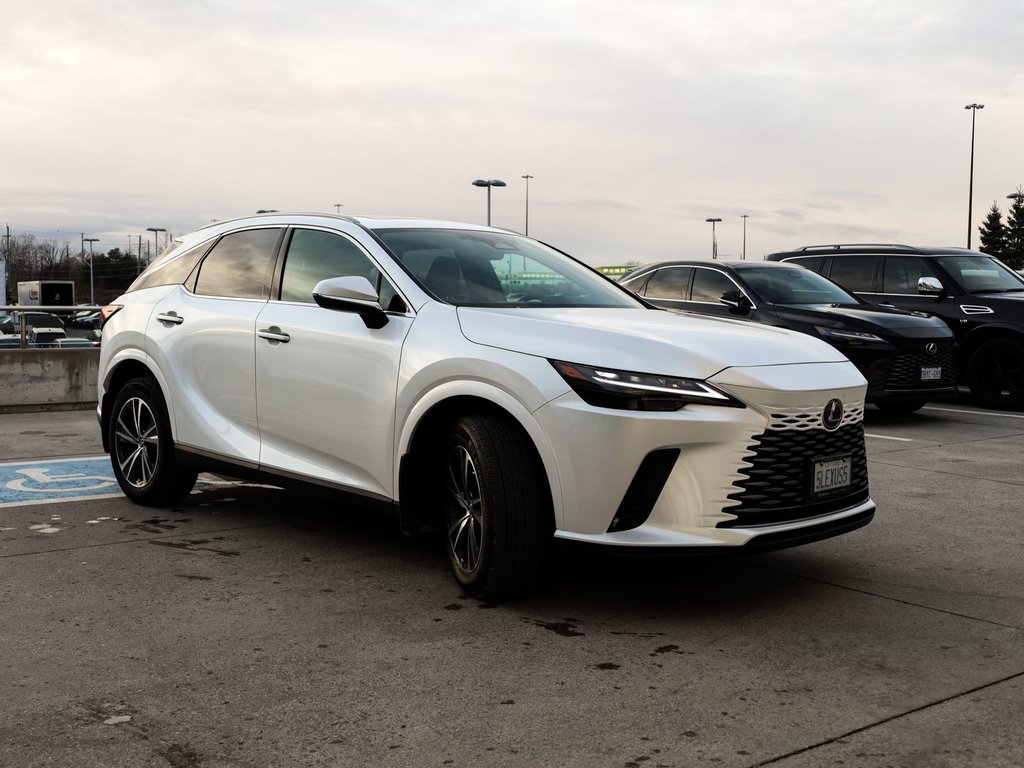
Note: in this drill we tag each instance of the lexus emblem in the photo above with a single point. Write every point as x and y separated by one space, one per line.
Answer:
832 415
931 348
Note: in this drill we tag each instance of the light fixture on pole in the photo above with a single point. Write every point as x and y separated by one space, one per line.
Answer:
970 188
489 183
338 207
92 294
526 231
744 216
714 238
156 239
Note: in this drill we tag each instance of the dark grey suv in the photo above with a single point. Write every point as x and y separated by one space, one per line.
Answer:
979 298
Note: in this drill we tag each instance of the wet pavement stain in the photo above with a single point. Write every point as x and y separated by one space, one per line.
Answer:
608 665
565 628
193 577
669 649
192 545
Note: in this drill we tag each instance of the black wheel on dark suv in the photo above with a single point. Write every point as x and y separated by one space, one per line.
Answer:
978 297
995 374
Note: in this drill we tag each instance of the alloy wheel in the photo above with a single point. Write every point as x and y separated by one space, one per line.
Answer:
136 442
465 510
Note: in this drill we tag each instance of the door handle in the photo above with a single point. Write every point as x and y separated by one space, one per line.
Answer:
273 333
170 317
888 306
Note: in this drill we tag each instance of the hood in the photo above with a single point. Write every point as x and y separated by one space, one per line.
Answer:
642 340
864 318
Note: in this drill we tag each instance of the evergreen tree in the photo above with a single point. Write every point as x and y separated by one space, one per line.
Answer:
1013 252
992 233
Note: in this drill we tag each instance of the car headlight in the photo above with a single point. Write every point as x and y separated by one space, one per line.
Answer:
626 390
838 334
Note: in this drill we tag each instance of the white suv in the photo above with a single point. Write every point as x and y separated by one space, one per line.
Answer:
479 382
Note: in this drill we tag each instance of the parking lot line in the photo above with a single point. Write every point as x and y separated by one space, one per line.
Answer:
889 437
1001 414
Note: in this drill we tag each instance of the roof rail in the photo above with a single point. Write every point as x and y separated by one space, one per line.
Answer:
840 246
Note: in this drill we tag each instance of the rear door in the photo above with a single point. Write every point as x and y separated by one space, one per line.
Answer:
203 334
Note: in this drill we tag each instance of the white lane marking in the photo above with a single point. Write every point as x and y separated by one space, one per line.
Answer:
65 460
887 437
1001 414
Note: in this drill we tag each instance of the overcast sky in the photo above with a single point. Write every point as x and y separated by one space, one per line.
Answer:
838 121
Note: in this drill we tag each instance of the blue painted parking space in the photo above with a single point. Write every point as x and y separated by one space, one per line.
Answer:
43 482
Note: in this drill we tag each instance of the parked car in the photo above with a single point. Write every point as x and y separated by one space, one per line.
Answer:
383 357
906 357
978 297
12 323
89 320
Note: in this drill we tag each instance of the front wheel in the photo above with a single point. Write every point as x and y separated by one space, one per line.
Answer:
497 508
141 448
995 374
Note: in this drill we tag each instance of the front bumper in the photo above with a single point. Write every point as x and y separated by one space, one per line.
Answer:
713 451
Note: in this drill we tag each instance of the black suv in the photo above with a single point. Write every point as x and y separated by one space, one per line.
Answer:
906 357
979 298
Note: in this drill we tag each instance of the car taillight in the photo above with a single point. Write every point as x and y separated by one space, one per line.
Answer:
108 312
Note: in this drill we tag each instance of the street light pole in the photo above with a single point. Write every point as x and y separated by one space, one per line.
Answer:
156 239
526 231
338 207
489 183
744 217
714 238
92 294
970 188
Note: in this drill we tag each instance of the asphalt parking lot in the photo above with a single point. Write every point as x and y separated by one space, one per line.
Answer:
252 626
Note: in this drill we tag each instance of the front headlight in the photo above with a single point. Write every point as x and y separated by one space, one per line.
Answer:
626 390
838 334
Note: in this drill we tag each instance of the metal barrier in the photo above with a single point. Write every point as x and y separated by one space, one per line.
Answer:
22 334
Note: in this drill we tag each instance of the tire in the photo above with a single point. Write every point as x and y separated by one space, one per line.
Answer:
995 374
141 448
497 508
901 408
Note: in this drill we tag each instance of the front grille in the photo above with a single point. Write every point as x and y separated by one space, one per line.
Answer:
776 485
905 371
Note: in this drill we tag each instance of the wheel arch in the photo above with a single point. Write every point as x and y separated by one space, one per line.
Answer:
428 423
979 336
124 370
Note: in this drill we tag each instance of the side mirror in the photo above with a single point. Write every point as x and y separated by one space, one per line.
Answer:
351 294
737 302
930 286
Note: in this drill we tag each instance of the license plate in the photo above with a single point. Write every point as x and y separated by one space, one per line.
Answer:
831 475
931 374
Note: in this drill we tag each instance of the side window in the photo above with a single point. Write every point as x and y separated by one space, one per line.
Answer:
171 272
709 285
314 256
813 263
238 265
637 284
854 273
902 273
669 283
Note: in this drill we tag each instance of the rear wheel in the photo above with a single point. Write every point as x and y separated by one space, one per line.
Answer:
497 508
995 374
141 449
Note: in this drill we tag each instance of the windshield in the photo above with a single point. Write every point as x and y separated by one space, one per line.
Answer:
488 269
796 286
981 274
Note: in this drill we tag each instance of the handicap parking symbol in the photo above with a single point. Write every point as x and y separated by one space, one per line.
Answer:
56 480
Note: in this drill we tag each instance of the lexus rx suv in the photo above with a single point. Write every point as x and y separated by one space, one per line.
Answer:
906 357
480 383
978 297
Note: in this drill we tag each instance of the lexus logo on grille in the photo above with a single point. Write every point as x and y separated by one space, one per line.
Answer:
832 416
931 348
